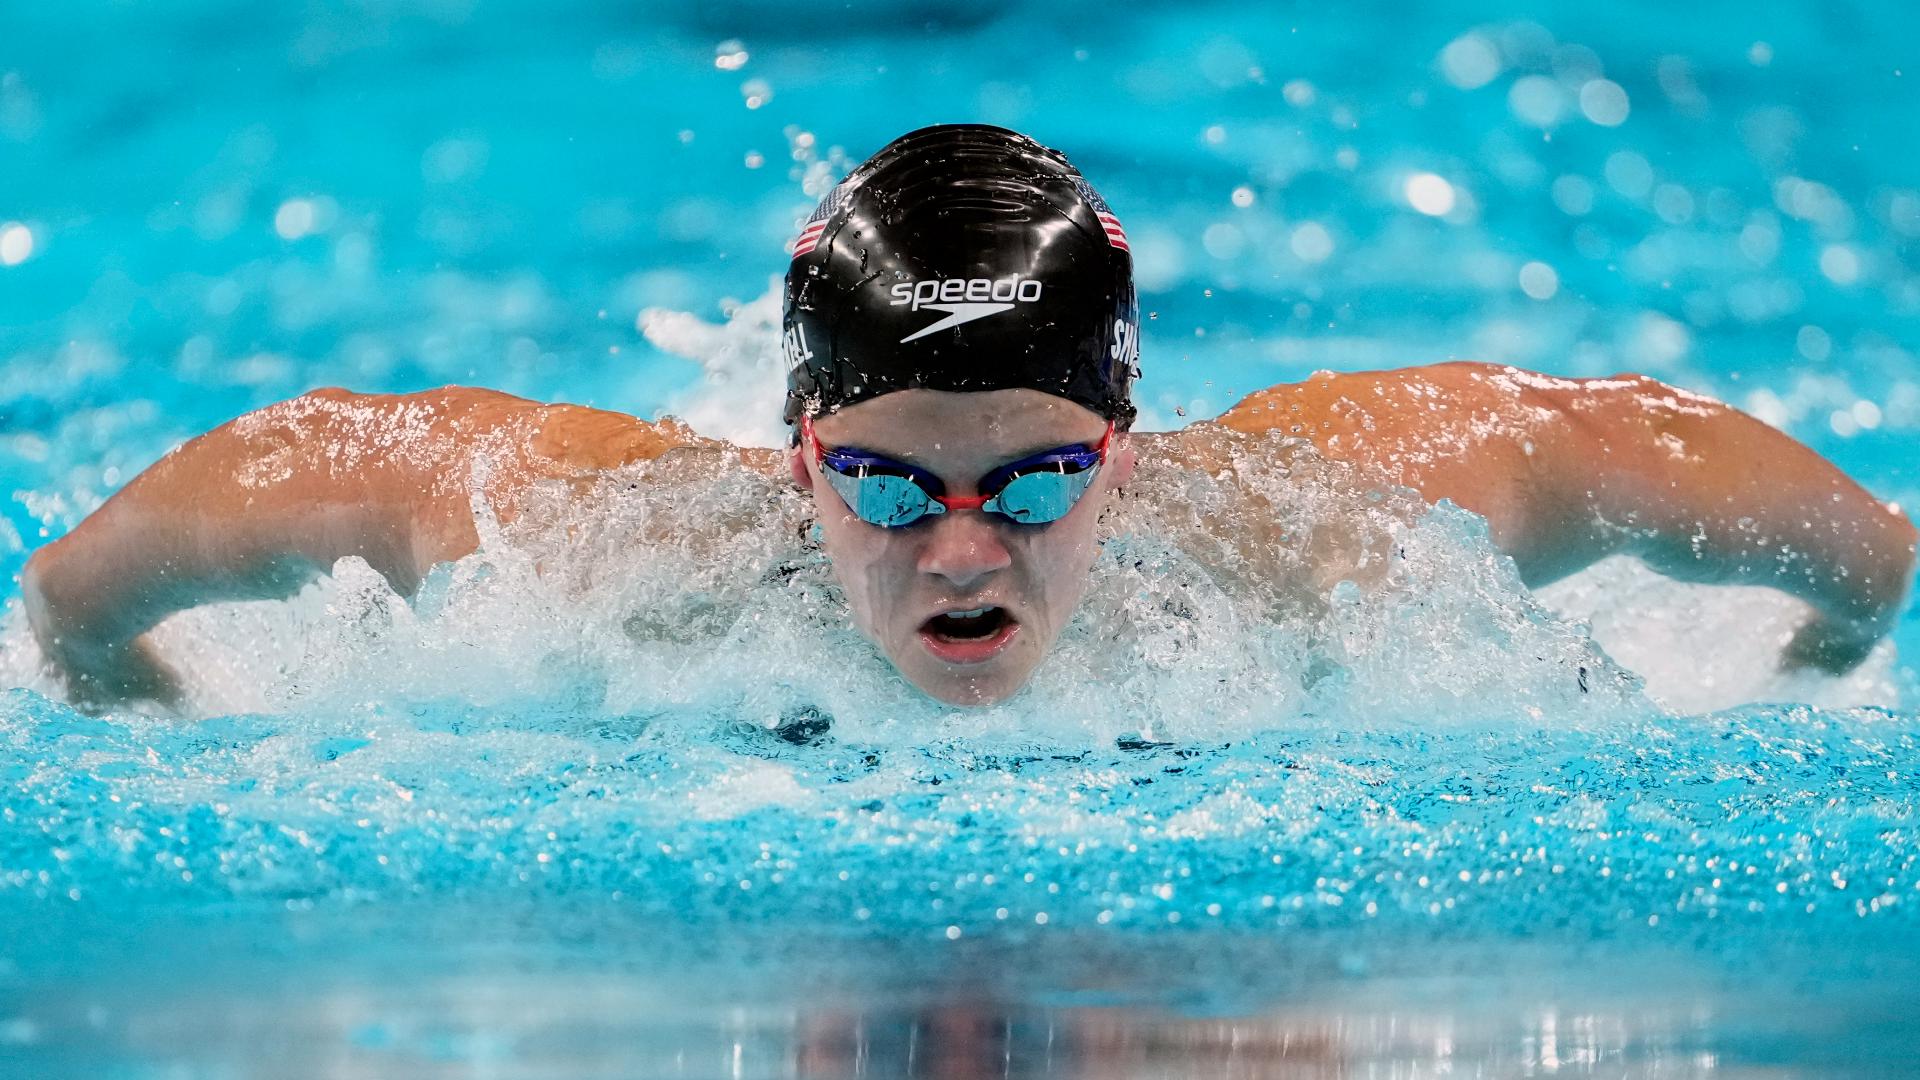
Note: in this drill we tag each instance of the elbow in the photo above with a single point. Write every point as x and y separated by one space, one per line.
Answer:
33 588
57 611
42 579
1883 574
1907 540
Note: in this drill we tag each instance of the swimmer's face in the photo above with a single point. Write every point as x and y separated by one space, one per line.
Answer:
903 583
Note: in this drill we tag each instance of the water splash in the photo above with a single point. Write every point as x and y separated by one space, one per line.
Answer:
741 396
605 698
1277 593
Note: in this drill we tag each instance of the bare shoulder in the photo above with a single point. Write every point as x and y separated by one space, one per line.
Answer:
1486 436
549 439
596 439
1411 423
1438 412
1330 404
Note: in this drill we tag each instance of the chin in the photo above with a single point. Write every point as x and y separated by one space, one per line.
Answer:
974 689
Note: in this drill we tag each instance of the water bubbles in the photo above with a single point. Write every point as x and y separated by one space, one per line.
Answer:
1765 406
754 159
1537 101
1760 54
1226 62
1840 263
1811 201
1676 80
1573 195
453 159
1629 174
16 243
20 115
1604 102
1243 196
295 218
1659 341
1311 243
1159 257
1760 239
756 92
1903 213
1299 93
1223 240
1429 193
1576 65
1673 203
1813 343
1470 61
730 55
1539 281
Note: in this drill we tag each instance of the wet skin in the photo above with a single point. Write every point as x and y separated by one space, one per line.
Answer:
1566 472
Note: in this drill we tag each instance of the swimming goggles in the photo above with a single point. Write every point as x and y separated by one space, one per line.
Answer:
1035 490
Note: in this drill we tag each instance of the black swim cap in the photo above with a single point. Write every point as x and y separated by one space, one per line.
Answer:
961 257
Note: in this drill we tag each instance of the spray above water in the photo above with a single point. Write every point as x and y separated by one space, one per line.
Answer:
1278 593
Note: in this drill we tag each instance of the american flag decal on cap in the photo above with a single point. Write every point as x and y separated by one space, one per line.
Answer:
809 237
817 223
1116 236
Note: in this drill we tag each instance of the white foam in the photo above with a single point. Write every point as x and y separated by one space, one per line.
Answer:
1703 648
743 388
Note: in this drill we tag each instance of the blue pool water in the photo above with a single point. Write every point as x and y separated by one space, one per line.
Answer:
552 825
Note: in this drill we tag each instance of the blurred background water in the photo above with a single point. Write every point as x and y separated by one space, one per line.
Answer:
207 206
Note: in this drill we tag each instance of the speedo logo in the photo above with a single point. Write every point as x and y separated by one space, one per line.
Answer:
963 299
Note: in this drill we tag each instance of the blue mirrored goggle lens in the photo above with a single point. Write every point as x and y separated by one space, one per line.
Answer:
883 499
1039 491
1038 498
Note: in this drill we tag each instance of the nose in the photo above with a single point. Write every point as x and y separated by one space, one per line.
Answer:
964 548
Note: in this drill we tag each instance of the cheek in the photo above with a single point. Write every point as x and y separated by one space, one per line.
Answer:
871 565
1060 558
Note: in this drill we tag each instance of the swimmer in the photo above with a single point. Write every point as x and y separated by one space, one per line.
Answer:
962 338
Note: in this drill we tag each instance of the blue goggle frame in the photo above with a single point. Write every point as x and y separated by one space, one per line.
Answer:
1037 490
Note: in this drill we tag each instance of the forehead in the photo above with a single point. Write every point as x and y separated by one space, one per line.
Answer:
936 426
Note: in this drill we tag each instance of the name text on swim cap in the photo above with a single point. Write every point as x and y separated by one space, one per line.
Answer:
1125 346
794 344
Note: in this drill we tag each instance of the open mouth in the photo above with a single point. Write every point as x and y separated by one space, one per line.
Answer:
977 623
969 636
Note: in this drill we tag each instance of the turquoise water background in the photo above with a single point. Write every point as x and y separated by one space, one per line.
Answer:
207 207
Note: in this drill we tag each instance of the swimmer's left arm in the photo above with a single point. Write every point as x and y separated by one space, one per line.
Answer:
1569 471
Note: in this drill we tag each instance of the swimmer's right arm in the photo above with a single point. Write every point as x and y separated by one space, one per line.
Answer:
258 507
